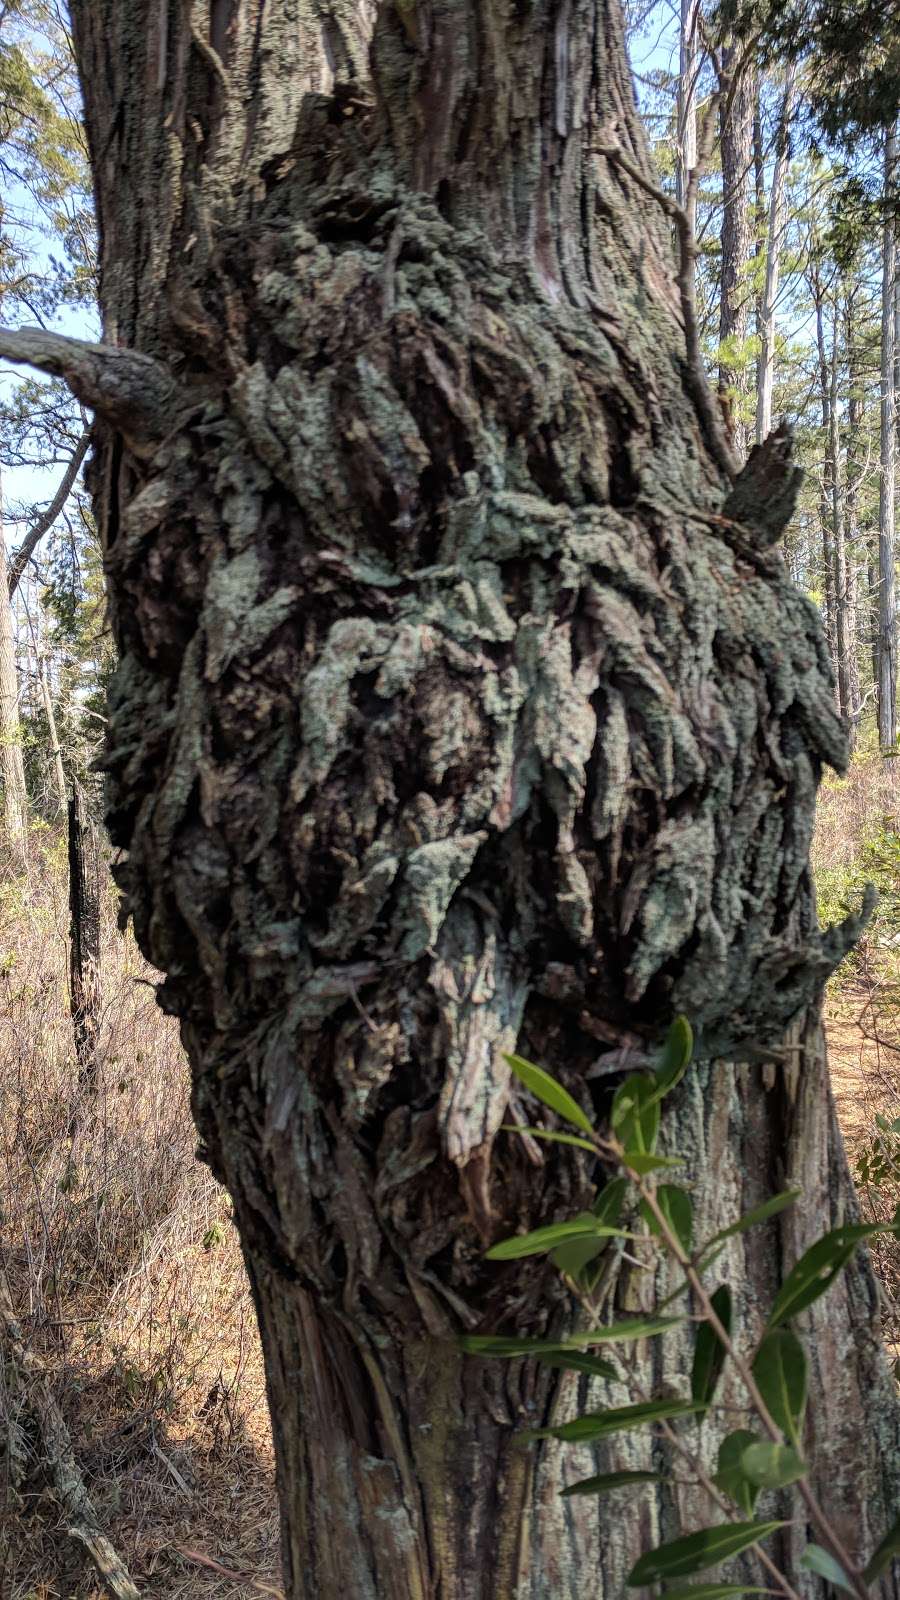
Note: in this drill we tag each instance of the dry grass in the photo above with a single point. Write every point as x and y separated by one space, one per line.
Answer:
124 1268
857 837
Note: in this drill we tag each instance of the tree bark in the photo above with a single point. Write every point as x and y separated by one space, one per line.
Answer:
736 145
765 381
462 704
887 595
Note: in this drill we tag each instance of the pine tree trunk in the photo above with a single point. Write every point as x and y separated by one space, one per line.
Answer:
765 380
887 595
736 146
686 143
826 495
855 467
461 705
12 767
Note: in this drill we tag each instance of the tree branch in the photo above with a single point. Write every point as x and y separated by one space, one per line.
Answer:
32 539
696 373
131 391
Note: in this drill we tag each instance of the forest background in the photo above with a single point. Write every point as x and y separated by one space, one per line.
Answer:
116 1249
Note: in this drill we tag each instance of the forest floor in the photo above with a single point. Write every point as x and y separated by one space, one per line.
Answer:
121 1260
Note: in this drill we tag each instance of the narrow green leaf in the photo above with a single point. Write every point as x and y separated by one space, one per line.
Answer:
815 1559
696 1551
676 1055
571 1361
713 1591
599 1424
771 1466
612 1480
730 1476
642 1164
549 1092
626 1328
543 1239
677 1208
709 1352
761 1213
610 1201
498 1344
495 1344
550 1136
882 1557
635 1113
818 1267
780 1370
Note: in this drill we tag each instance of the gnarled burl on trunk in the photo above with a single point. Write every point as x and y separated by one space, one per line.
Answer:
463 703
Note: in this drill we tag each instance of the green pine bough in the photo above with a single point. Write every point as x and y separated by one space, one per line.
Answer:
764 1455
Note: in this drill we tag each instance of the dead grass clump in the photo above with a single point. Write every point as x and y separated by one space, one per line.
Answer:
124 1268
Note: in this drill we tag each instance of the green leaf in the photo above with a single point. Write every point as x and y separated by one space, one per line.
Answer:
882 1557
730 1476
574 1255
696 1551
612 1480
712 1591
780 1370
551 1136
626 1328
543 1239
641 1163
493 1344
599 1424
761 1213
676 1055
818 1267
571 1361
677 1208
771 1466
815 1559
635 1113
709 1352
610 1201
549 1092
496 1344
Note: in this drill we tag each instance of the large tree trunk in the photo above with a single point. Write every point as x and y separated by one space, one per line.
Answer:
461 703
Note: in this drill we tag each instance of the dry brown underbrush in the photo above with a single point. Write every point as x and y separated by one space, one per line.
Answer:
858 840
124 1268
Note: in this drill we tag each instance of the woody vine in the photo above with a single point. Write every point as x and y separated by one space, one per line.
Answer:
640 1208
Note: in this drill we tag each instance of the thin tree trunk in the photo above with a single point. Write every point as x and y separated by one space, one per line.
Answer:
84 936
737 240
765 381
463 703
686 111
855 457
15 802
59 774
887 604
825 497
838 542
